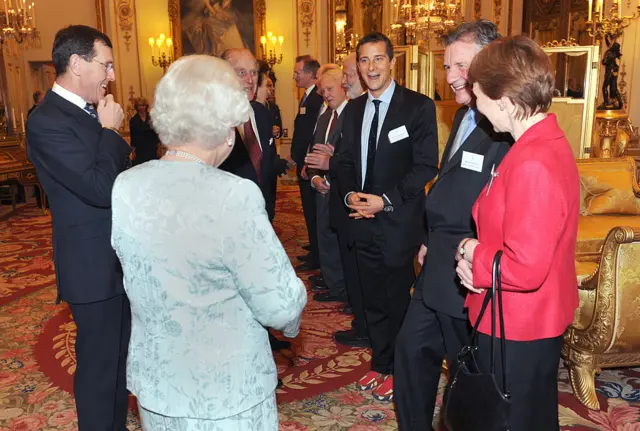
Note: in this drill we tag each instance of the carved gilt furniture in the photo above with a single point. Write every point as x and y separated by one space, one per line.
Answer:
606 330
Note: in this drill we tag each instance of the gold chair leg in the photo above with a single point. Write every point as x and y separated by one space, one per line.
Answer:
583 384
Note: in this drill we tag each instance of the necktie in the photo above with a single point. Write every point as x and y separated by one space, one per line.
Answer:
461 135
92 111
371 152
304 99
333 121
253 146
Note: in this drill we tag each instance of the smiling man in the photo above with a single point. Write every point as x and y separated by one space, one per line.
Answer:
389 151
436 324
78 152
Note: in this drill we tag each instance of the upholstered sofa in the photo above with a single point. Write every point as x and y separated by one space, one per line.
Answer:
606 329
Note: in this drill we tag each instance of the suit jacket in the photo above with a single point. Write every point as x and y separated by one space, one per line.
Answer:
401 170
319 138
304 125
448 212
274 109
77 162
239 162
202 292
530 212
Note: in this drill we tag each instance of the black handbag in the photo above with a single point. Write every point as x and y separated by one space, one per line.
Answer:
474 401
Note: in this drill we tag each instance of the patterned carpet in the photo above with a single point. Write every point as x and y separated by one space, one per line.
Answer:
37 357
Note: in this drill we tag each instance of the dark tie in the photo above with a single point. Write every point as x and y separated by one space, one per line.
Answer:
334 118
371 152
92 111
253 146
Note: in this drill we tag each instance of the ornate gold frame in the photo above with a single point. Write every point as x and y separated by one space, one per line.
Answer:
259 25
590 92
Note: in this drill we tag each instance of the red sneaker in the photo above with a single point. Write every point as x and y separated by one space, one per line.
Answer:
369 381
384 392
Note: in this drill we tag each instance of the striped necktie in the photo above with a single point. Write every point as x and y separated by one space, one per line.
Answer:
92 111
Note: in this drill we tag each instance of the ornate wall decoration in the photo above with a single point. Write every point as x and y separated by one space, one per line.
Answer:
125 20
497 11
306 19
477 9
623 83
100 15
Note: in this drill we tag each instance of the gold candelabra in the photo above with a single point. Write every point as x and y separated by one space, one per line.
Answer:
270 48
163 46
600 26
416 21
19 20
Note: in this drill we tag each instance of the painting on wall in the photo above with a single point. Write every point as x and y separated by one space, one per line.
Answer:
212 26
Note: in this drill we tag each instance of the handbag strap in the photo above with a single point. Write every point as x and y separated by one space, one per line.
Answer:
496 289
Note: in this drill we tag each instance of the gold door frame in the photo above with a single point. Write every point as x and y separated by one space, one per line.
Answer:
583 149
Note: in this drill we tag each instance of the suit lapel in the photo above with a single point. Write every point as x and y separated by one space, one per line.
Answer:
357 151
477 137
73 110
452 136
337 130
391 118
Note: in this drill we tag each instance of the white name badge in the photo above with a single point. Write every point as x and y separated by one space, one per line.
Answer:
303 110
472 161
397 134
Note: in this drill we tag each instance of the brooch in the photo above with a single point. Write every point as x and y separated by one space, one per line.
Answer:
494 175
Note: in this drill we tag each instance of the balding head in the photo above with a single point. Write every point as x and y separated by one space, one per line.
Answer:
245 66
351 79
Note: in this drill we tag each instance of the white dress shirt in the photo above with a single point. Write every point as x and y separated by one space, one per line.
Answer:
70 96
339 111
369 112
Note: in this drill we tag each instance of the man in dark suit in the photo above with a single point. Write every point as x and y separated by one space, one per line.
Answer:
254 155
389 154
304 74
78 152
328 130
436 323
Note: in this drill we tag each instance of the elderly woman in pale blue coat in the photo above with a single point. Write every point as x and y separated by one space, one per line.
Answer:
203 268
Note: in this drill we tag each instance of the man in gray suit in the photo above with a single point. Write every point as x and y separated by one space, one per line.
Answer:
326 135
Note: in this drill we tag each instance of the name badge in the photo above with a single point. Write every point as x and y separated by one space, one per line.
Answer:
397 134
303 110
472 161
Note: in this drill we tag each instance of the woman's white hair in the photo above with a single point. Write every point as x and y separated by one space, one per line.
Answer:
198 101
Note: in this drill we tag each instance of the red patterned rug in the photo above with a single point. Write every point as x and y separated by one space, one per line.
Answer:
37 358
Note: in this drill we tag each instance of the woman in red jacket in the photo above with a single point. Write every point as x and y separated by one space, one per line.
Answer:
529 210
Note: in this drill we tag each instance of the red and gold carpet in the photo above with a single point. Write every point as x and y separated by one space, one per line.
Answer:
37 357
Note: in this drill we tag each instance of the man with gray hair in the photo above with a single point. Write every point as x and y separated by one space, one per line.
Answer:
436 323
351 79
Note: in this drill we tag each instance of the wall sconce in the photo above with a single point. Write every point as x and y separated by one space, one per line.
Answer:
164 47
270 54
613 26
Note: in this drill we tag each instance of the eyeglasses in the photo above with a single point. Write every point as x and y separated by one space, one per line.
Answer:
107 67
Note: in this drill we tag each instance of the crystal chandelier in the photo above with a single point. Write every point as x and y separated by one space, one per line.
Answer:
418 21
18 20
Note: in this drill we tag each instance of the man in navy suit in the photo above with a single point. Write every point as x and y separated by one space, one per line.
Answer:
78 153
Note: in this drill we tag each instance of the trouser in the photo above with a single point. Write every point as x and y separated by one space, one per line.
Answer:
352 282
307 196
100 383
426 337
329 248
385 291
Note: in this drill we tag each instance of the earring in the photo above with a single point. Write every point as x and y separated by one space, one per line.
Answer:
230 142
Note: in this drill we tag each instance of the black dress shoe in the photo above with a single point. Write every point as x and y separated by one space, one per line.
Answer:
307 266
327 297
352 339
278 344
306 247
279 384
316 278
319 289
347 309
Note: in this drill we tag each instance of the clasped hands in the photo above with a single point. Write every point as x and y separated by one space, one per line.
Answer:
465 260
320 156
365 205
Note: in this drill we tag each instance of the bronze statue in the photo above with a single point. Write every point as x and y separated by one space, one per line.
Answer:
610 83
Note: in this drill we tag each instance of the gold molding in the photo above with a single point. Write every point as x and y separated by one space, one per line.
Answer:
563 42
497 11
307 7
100 16
124 9
175 24
510 19
477 9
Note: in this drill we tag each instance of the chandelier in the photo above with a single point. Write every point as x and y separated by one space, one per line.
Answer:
163 46
18 20
418 21
269 45
612 26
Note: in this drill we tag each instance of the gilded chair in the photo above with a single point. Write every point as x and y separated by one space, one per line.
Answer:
606 330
